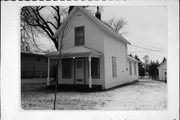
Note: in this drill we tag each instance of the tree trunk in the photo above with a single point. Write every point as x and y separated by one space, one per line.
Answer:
55 43
56 84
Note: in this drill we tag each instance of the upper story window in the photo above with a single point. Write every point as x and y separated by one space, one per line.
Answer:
79 35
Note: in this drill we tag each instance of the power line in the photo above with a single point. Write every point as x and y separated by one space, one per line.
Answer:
146 48
150 46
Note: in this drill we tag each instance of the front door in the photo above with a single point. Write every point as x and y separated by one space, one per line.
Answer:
79 71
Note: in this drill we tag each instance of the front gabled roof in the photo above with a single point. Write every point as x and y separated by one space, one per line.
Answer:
102 25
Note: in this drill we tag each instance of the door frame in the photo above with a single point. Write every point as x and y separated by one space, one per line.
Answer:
84 60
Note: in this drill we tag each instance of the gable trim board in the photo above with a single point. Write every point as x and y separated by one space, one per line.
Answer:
103 26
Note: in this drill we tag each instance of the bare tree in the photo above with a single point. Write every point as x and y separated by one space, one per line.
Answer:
117 24
61 41
43 19
37 19
28 39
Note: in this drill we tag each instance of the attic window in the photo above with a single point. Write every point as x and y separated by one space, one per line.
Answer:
79 35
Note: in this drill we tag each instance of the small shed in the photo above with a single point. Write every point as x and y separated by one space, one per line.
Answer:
34 65
162 69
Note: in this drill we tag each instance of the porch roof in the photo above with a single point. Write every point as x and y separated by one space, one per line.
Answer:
76 51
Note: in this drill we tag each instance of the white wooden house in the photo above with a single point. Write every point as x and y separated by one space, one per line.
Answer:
162 69
93 53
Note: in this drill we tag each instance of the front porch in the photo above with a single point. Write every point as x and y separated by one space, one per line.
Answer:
78 66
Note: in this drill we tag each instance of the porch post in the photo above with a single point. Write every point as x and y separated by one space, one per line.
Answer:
48 76
90 78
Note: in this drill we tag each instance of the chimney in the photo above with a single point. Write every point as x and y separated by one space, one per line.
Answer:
98 14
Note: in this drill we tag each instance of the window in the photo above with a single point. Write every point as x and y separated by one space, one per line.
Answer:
134 68
130 69
79 35
114 71
66 68
95 68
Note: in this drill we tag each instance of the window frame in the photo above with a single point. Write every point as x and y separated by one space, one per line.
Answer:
69 66
114 67
75 37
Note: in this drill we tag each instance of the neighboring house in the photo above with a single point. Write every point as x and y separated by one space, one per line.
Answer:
162 69
93 53
34 65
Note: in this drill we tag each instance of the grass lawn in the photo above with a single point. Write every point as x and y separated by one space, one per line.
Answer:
143 95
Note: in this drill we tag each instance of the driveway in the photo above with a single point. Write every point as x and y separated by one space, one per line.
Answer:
142 95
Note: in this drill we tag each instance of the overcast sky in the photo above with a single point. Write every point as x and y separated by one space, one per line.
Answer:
147 29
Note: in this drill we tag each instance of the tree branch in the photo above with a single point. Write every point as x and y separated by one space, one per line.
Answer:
52 24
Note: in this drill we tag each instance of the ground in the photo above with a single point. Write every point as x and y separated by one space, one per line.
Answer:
143 95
